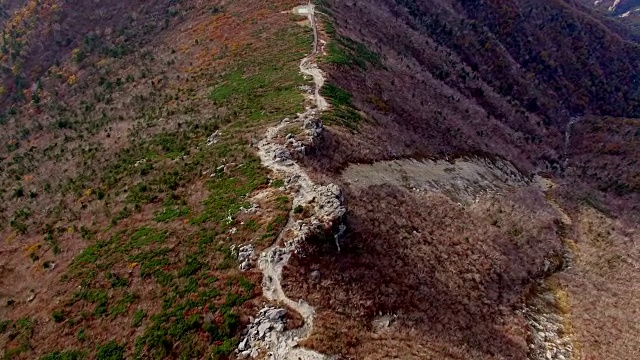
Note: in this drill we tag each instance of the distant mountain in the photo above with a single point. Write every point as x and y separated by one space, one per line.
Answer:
620 8
627 11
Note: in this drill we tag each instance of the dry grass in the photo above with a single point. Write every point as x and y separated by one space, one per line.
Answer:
602 286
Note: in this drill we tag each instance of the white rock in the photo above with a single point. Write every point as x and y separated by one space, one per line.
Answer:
262 329
292 343
246 265
214 138
315 275
276 314
244 345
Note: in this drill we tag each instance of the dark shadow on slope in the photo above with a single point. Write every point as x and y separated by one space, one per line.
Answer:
450 275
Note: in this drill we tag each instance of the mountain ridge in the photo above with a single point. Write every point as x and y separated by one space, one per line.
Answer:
376 179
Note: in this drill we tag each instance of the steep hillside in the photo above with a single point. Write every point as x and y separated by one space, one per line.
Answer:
430 267
445 80
474 77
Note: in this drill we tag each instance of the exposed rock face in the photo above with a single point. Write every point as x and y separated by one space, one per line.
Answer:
463 180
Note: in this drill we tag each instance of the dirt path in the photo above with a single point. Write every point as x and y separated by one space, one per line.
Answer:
326 202
308 65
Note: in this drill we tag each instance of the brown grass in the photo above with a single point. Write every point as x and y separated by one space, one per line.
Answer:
602 287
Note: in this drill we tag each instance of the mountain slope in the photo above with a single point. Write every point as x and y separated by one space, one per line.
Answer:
546 92
128 173
467 70
165 175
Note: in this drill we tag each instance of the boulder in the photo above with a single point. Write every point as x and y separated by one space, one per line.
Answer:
246 265
244 345
282 155
213 138
263 329
276 314
315 275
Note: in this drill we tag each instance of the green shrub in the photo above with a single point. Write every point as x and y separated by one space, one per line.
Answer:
344 51
252 225
19 226
138 316
225 349
170 213
117 281
64 355
337 95
18 192
122 214
122 305
81 335
145 236
110 351
4 325
98 297
57 316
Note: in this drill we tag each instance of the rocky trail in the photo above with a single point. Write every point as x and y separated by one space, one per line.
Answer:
265 334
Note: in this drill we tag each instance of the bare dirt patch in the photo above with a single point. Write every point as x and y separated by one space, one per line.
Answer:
461 179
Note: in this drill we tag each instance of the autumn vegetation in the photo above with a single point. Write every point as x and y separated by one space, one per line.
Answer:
127 165
119 211
435 266
492 79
